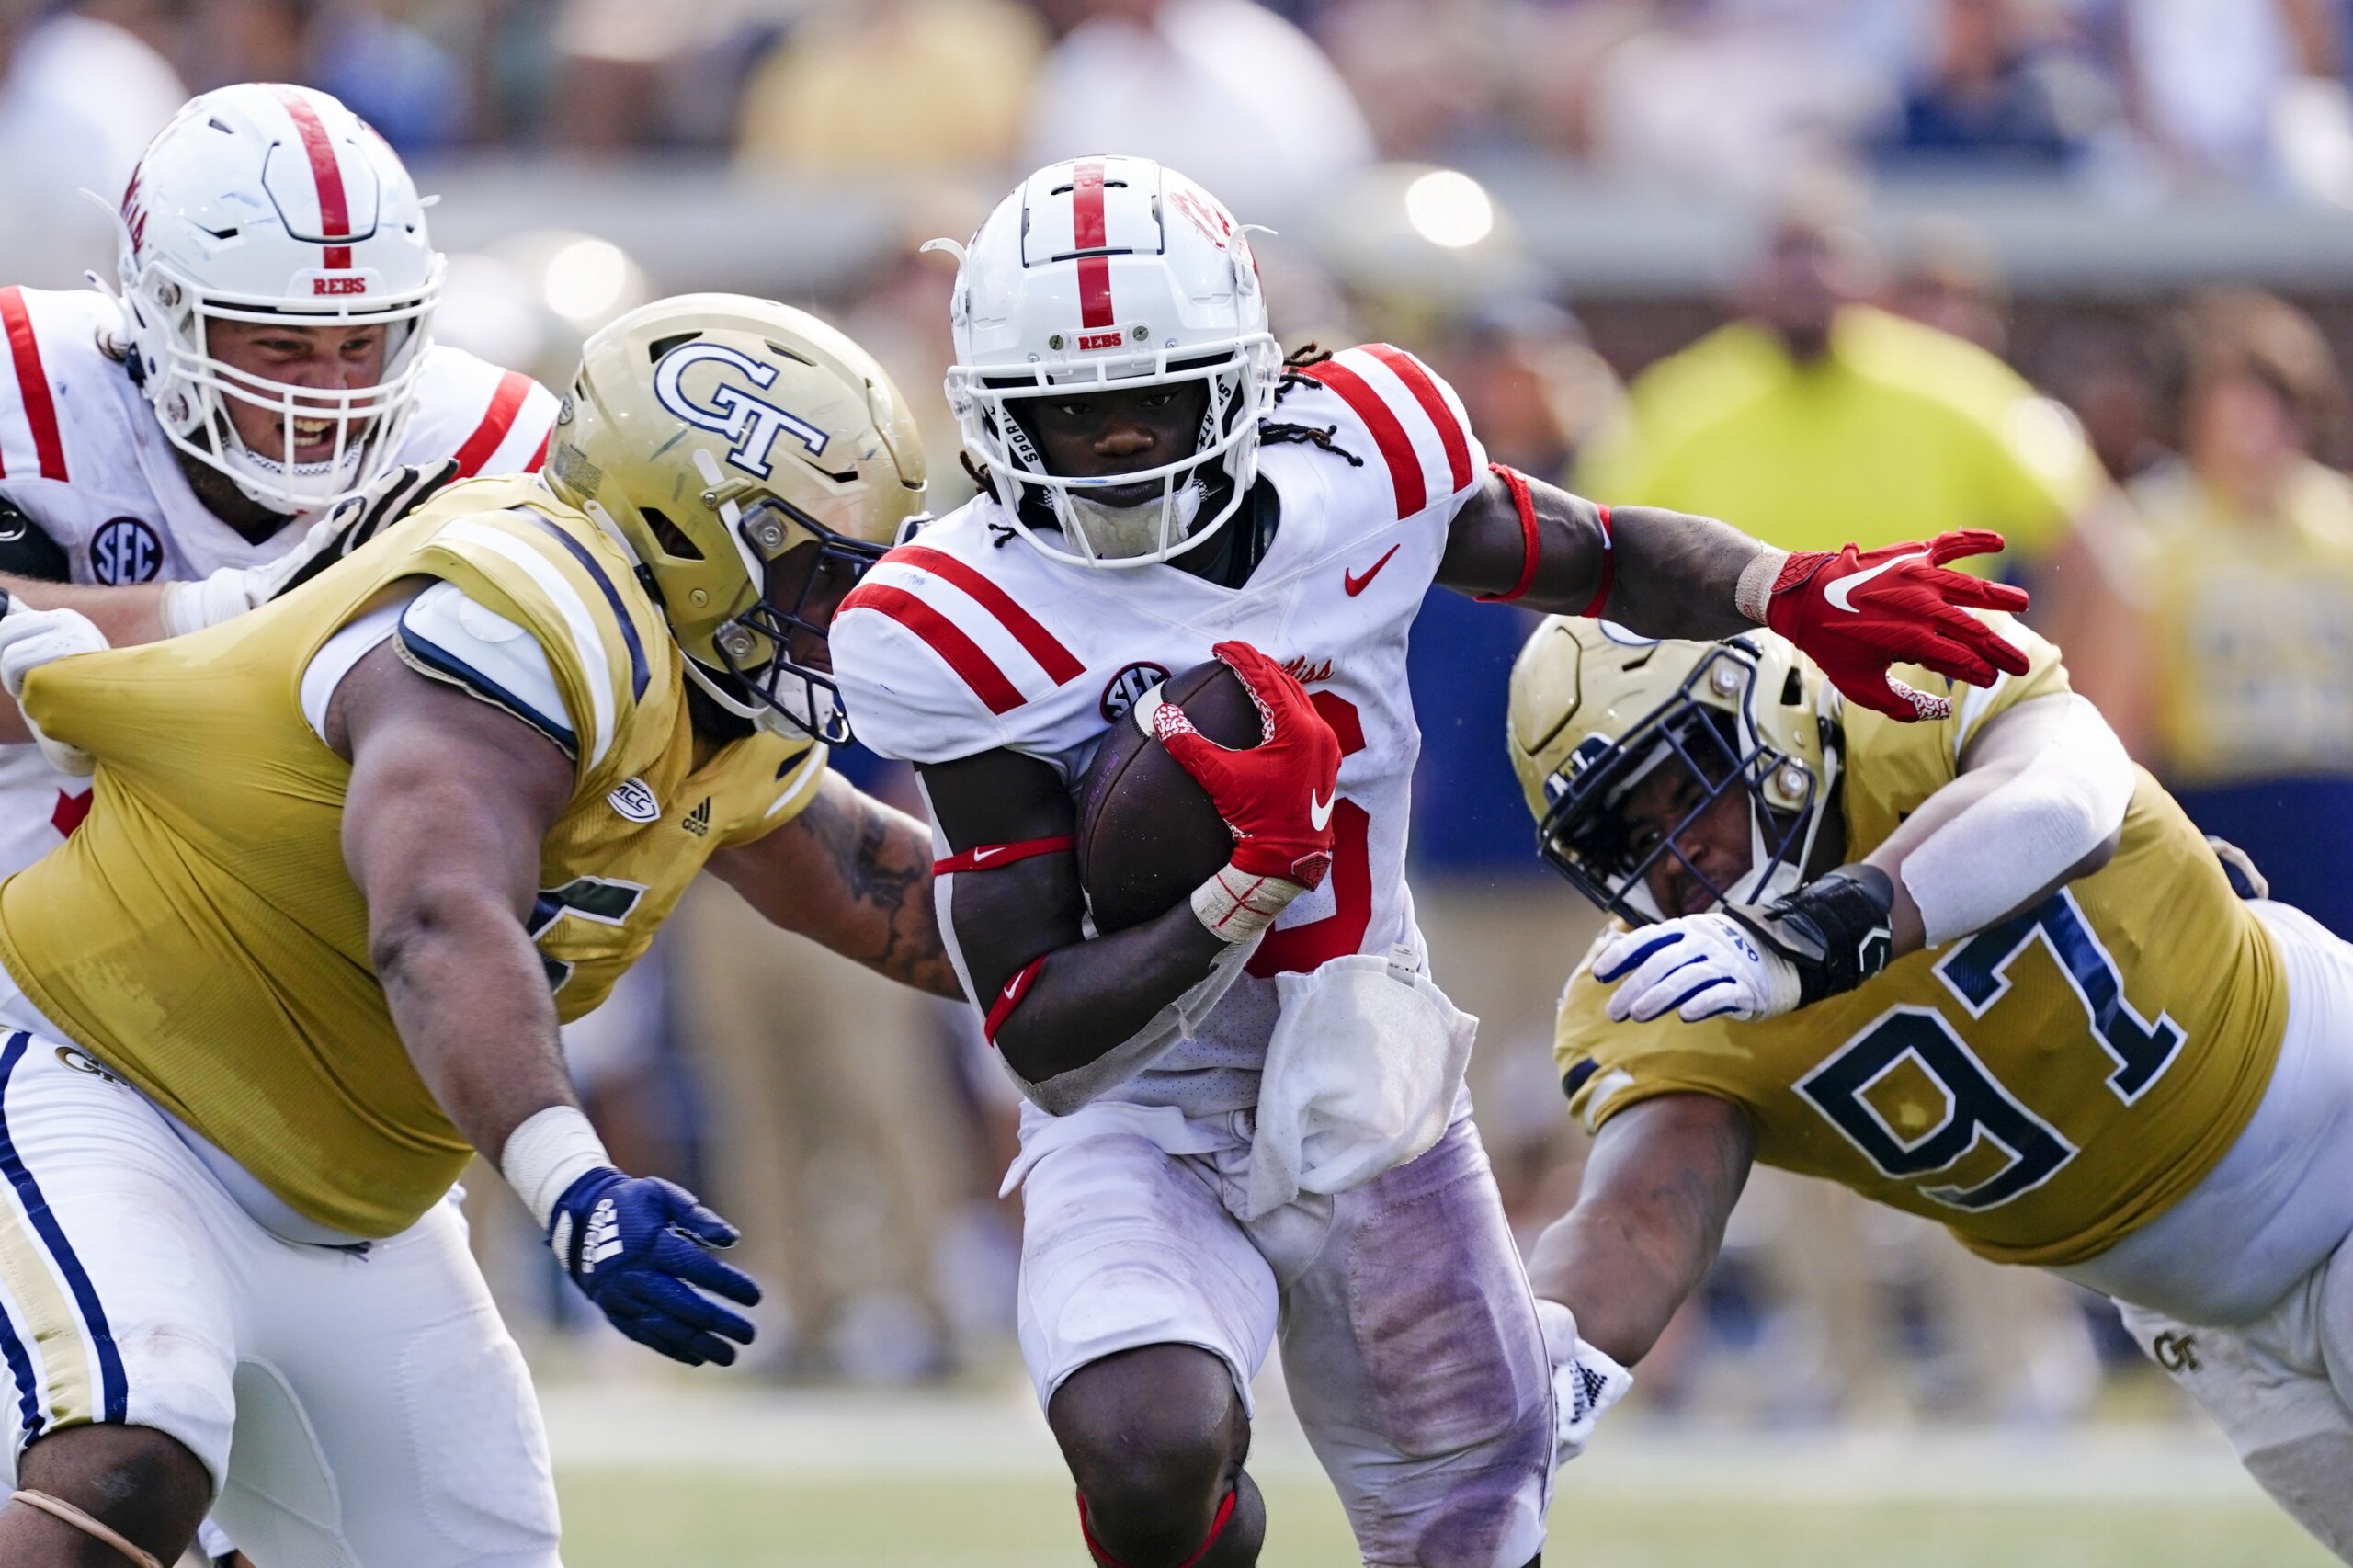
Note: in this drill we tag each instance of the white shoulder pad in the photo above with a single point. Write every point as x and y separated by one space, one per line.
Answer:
905 701
491 420
48 376
1402 420
450 637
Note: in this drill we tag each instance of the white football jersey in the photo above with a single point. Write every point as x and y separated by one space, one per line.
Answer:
967 640
84 455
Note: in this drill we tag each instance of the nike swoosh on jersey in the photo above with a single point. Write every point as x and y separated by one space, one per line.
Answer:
1841 593
1355 584
980 854
1318 813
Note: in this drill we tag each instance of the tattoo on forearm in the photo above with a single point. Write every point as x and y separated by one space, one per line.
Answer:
887 873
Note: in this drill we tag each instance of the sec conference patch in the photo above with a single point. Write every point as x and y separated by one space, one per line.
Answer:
125 551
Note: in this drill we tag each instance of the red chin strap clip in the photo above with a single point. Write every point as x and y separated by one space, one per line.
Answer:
1104 1559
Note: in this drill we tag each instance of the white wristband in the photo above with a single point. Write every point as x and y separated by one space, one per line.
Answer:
1236 905
192 607
552 1150
1753 594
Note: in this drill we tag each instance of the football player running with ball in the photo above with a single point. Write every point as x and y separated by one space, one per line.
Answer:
1158 487
352 856
1981 968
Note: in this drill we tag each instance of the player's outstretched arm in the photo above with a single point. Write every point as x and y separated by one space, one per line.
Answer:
1657 1188
1056 1002
1670 574
449 802
149 612
854 875
2039 801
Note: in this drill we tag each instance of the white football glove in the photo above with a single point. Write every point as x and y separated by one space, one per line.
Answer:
30 638
1586 1381
1699 966
349 524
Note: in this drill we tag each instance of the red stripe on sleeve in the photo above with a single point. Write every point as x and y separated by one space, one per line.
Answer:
989 857
539 458
1417 382
335 213
966 657
1001 1009
1087 233
32 383
1529 543
1057 661
504 404
1396 448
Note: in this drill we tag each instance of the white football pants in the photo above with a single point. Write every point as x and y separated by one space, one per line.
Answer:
1410 1342
2252 1274
357 1407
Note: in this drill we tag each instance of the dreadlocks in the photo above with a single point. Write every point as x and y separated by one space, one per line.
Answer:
1275 433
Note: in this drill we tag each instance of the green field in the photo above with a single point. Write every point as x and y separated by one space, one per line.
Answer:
615 1519
666 1473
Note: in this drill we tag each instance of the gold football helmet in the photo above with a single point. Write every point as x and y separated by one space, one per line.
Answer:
1594 710
755 462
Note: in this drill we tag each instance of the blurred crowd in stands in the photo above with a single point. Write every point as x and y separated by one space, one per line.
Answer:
1718 94
2166 469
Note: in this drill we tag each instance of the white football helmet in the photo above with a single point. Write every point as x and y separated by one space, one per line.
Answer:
264 203
1111 271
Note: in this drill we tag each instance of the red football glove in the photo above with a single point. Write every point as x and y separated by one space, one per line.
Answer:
1858 611
1277 796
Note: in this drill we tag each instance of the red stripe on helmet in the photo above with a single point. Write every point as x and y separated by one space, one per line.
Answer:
1088 232
1405 476
1417 380
504 404
32 383
967 658
326 173
1042 645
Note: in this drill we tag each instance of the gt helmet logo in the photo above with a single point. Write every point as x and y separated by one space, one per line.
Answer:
751 422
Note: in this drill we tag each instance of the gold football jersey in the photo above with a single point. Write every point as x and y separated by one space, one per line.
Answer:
200 934
2044 1086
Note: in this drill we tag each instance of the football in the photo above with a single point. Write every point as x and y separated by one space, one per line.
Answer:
1147 833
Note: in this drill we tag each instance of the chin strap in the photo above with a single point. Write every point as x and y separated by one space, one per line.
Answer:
1217 1528
56 1507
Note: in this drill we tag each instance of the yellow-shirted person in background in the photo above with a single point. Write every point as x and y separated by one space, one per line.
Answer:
1981 968
350 859
1816 420
2237 688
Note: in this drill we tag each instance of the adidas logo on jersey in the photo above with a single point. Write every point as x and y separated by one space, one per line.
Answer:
698 822
604 1238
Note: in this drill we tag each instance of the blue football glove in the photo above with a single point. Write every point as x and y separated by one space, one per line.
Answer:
638 1246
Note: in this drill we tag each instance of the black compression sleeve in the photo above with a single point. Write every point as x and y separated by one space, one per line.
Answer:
25 549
